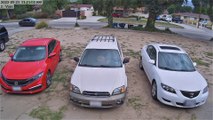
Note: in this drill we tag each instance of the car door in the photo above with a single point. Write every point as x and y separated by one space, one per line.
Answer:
149 53
25 22
52 60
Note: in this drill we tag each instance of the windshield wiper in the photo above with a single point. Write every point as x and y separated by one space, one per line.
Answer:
166 68
86 65
186 70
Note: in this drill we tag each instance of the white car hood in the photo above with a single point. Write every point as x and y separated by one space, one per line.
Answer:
98 79
187 81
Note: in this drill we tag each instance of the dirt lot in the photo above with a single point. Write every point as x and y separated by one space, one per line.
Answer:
54 104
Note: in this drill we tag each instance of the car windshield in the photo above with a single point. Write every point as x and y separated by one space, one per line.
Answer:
101 58
175 62
30 53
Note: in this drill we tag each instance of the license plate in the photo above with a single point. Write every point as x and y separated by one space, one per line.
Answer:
16 88
95 104
190 103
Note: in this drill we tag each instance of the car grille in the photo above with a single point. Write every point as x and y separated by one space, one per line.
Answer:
190 94
92 93
16 82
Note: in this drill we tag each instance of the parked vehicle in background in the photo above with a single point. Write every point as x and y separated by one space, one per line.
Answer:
158 18
28 22
118 15
4 37
174 79
203 23
99 79
177 20
31 68
166 17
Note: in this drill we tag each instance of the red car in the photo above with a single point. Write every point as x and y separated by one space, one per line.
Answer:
31 68
118 15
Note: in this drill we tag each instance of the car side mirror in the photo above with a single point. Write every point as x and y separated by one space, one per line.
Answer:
11 56
52 54
195 64
152 62
76 59
126 60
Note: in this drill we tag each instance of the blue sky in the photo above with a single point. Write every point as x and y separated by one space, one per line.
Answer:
189 3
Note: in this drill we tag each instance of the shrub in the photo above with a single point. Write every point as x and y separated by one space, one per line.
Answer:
83 17
41 25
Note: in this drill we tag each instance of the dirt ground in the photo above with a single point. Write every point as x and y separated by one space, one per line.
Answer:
54 103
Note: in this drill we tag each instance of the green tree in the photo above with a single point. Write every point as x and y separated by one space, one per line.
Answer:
200 6
155 7
185 9
109 10
21 9
210 10
50 6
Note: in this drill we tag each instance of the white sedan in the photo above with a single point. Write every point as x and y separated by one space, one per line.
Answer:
173 77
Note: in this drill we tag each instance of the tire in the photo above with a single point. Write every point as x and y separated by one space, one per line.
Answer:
154 90
2 46
48 79
60 56
140 63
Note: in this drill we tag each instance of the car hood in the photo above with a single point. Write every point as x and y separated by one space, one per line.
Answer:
98 79
22 70
187 81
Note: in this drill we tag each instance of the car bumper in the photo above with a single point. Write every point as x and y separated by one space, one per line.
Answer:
178 100
31 88
97 102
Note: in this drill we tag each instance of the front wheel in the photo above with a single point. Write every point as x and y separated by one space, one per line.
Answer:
154 90
60 56
48 79
2 46
140 63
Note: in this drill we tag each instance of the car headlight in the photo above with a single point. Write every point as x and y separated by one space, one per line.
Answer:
37 76
168 88
75 89
205 89
119 90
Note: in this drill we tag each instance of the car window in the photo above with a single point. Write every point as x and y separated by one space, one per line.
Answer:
51 46
26 20
101 58
30 53
151 52
175 62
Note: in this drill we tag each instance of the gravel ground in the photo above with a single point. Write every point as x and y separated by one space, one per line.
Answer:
54 101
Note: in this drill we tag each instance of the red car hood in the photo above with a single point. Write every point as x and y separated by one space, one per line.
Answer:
22 70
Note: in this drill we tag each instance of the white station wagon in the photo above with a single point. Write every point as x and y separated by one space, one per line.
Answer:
99 79
173 77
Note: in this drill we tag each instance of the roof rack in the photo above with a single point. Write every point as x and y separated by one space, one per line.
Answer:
103 38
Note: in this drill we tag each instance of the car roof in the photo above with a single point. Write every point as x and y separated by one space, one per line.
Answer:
37 42
103 42
168 48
